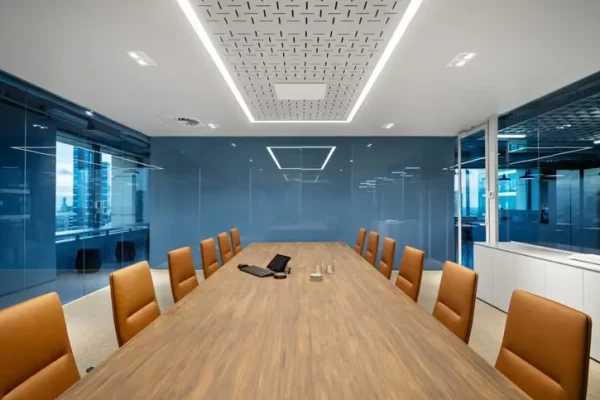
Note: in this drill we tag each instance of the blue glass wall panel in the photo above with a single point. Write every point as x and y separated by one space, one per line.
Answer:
303 189
39 231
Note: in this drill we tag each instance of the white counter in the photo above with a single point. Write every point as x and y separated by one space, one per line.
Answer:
550 273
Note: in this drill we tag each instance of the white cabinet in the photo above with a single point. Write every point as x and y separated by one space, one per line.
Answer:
564 284
483 266
591 306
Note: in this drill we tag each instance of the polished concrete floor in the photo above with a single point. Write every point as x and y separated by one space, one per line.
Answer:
92 334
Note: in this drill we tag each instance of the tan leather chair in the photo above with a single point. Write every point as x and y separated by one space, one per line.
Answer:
387 257
411 272
208 253
371 251
182 272
546 348
455 302
224 248
133 300
236 242
360 241
36 360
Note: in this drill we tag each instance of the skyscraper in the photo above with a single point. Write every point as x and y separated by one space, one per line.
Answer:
83 185
105 193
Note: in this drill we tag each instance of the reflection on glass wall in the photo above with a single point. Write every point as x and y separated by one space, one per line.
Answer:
549 187
303 189
73 194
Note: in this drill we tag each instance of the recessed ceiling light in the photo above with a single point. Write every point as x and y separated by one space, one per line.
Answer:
351 161
341 169
250 160
402 26
370 144
388 126
232 144
511 136
141 58
461 59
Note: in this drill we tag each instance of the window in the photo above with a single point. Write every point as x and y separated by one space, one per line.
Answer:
96 189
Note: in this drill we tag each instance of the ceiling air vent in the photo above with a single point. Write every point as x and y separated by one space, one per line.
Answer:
182 122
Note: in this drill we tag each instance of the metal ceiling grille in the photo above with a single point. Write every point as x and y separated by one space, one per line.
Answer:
289 41
577 121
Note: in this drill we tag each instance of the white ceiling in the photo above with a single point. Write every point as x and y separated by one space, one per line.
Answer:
290 41
78 50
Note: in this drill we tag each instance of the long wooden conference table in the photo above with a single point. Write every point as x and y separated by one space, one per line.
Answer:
352 336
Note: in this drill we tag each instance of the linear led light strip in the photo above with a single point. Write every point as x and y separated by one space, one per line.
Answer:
405 21
332 149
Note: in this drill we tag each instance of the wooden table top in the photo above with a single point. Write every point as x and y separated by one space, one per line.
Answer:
351 336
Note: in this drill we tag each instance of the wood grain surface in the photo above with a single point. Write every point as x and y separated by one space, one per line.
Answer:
352 336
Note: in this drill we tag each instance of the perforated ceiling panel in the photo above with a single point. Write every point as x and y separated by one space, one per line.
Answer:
290 41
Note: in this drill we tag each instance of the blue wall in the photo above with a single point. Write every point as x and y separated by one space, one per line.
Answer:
396 186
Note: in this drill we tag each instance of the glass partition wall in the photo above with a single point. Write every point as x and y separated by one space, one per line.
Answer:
73 196
303 189
550 164
470 184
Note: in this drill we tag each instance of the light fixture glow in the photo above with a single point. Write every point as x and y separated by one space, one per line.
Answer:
388 126
213 126
141 58
89 113
204 37
511 136
38 150
270 150
597 141
189 12
370 144
232 144
551 155
461 59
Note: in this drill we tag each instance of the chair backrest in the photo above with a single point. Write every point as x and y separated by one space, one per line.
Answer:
387 257
224 247
546 348
182 272
36 360
455 302
208 253
236 242
371 251
133 300
360 241
411 272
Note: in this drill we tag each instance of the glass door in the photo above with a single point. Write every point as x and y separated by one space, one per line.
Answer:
470 189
